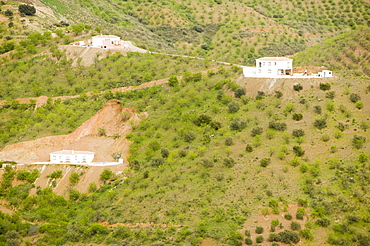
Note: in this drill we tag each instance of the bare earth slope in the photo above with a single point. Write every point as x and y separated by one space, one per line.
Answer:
116 121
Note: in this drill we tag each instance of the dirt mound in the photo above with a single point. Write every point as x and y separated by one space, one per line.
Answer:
104 134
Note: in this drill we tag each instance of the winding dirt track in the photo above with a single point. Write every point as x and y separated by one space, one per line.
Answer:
41 100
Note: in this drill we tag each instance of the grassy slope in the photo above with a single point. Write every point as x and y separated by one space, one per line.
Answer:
348 51
215 201
231 31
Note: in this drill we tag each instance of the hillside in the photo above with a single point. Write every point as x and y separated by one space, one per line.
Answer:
349 52
236 32
208 161
211 158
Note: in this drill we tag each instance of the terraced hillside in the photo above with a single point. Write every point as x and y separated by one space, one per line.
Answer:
234 31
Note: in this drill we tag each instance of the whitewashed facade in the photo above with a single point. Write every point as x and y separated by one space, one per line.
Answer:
105 41
71 157
274 66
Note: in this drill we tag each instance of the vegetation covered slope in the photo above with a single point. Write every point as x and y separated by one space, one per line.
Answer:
208 157
349 51
233 31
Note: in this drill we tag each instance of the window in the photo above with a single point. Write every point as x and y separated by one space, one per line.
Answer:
269 70
259 70
263 63
84 158
54 157
68 158
275 63
269 64
260 64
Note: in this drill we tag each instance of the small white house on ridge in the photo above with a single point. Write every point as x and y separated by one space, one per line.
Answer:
71 157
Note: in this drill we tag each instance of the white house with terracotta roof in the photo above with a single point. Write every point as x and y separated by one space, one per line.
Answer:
71 157
105 41
274 66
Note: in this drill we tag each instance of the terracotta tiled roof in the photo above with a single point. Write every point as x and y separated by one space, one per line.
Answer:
274 59
70 152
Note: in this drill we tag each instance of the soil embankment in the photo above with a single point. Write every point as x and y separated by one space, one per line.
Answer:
115 120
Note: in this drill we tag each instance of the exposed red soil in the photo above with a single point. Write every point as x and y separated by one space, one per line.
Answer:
84 138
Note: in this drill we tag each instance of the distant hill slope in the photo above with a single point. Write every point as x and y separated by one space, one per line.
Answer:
348 51
234 31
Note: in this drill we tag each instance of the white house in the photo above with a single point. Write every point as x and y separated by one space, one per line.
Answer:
274 66
105 41
325 74
71 157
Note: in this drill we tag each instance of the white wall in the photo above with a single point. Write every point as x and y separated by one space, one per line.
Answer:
71 158
271 67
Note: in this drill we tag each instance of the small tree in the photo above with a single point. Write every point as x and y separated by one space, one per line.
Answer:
265 162
295 226
297 87
173 81
239 92
229 162
298 151
259 230
320 123
298 133
325 86
8 13
358 141
27 9
106 175
74 178
297 116
233 107
259 239
249 148
354 97
92 187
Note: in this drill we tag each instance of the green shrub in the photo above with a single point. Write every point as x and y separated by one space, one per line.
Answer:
27 9
249 148
300 213
358 141
256 131
173 81
295 226
320 123
288 216
56 174
239 92
274 238
229 141
306 234
298 133
265 162
259 239
248 241
330 95
289 237
317 109
275 222
297 87
359 105
189 136
229 162
233 107
297 116
259 230
323 222
279 126
247 233
298 151
325 86
354 97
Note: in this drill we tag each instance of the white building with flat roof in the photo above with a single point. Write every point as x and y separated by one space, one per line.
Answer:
105 41
71 157
274 66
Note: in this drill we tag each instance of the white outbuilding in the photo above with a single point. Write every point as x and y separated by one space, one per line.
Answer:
71 157
105 41
274 66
